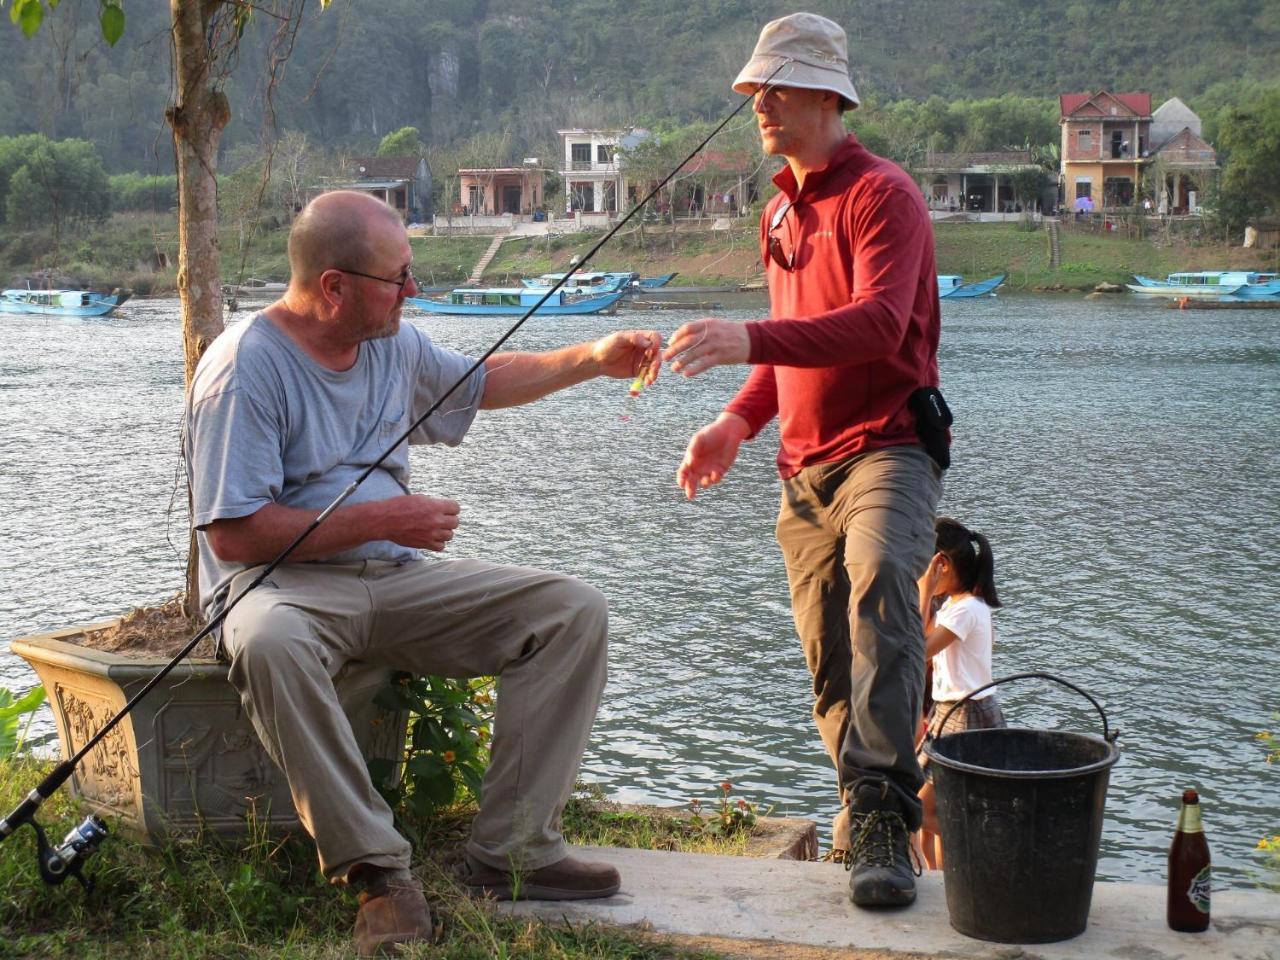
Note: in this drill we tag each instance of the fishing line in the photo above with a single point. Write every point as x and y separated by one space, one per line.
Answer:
56 863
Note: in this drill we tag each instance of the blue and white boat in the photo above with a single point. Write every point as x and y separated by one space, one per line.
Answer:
649 283
1210 285
590 283
514 301
61 303
953 287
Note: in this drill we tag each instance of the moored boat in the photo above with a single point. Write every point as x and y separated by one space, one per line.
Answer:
514 301
62 303
253 287
1209 285
590 282
648 283
953 287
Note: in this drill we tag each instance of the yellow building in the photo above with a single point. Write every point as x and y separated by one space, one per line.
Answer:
1105 146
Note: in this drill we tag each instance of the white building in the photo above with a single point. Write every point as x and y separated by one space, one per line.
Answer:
594 180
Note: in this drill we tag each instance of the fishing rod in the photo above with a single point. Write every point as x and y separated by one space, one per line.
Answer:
67 858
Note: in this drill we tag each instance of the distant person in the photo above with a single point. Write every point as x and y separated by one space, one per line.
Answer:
957 595
848 365
285 410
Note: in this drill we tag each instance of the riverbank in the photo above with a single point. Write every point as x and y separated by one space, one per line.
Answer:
139 251
265 898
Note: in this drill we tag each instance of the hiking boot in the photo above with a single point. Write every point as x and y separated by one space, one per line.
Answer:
879 860
567 879
393 912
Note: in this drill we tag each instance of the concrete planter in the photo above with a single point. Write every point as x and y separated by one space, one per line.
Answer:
186 758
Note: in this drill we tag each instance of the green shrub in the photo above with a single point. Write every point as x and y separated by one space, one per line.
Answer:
15 719
448 744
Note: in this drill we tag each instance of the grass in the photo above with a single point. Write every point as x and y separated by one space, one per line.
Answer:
982 250
701 256
201 899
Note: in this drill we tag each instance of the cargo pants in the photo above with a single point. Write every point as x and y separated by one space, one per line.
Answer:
543 635
856 535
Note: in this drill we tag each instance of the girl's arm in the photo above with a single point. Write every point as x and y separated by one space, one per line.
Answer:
928 586
937 639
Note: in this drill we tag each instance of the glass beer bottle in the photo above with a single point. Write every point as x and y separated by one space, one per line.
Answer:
1189 870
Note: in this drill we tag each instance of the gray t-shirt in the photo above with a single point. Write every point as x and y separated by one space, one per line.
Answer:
267 424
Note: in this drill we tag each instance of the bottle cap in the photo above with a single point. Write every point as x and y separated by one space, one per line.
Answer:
1190 796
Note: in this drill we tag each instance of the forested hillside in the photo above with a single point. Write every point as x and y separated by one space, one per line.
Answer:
451 68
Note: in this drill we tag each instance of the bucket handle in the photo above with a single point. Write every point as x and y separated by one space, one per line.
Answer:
1107 734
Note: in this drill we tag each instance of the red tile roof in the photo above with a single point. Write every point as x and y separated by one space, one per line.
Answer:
1139 103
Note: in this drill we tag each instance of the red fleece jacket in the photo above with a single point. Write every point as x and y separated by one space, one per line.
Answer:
855 322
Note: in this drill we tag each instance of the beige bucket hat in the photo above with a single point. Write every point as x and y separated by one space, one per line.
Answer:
811 51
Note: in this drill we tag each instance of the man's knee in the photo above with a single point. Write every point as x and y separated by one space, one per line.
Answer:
581 603
267 637
885 597
882 574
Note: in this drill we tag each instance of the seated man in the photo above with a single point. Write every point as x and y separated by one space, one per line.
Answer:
285 410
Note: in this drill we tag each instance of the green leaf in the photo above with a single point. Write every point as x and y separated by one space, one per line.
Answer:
112 23
25 705
29 15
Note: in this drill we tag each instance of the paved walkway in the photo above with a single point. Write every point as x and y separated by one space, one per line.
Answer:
790 904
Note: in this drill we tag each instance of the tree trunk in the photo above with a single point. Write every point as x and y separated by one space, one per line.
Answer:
198 115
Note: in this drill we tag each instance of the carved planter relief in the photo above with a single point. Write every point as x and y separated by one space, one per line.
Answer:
186 757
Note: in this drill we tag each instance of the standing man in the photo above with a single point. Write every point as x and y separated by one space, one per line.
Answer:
852 336
285 410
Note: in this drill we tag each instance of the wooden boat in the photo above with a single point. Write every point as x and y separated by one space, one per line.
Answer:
62 303
952 287
1209 285
514 301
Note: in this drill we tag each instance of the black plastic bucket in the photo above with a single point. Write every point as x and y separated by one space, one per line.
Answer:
1020 814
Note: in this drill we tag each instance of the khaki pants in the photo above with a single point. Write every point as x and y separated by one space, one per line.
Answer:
542 634
856 535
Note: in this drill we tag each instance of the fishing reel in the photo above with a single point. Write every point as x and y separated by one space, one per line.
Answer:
67 858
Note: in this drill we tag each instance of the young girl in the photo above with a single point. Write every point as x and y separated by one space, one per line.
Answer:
959 636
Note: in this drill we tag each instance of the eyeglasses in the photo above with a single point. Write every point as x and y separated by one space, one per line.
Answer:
783 255
402 281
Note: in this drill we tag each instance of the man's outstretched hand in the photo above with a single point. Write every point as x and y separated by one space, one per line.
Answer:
710 454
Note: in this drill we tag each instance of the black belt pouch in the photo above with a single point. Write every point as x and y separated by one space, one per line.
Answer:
933 417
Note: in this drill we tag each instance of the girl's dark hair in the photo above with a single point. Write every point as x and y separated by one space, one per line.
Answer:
970 554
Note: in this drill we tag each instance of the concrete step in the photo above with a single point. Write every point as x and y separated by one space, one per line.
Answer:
1055 245
477 271
765 904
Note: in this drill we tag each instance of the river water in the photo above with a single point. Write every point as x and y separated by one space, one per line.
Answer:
1120 456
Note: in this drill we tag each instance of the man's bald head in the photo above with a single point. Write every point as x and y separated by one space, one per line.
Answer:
336 230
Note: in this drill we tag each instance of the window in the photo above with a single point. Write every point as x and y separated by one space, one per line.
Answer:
1084 188
583 196
1118 191
604 153
580 152
1085 139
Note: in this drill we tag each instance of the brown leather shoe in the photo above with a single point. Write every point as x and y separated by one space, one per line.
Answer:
567 879
393 912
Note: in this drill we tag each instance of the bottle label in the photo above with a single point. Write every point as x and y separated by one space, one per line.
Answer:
1198 892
